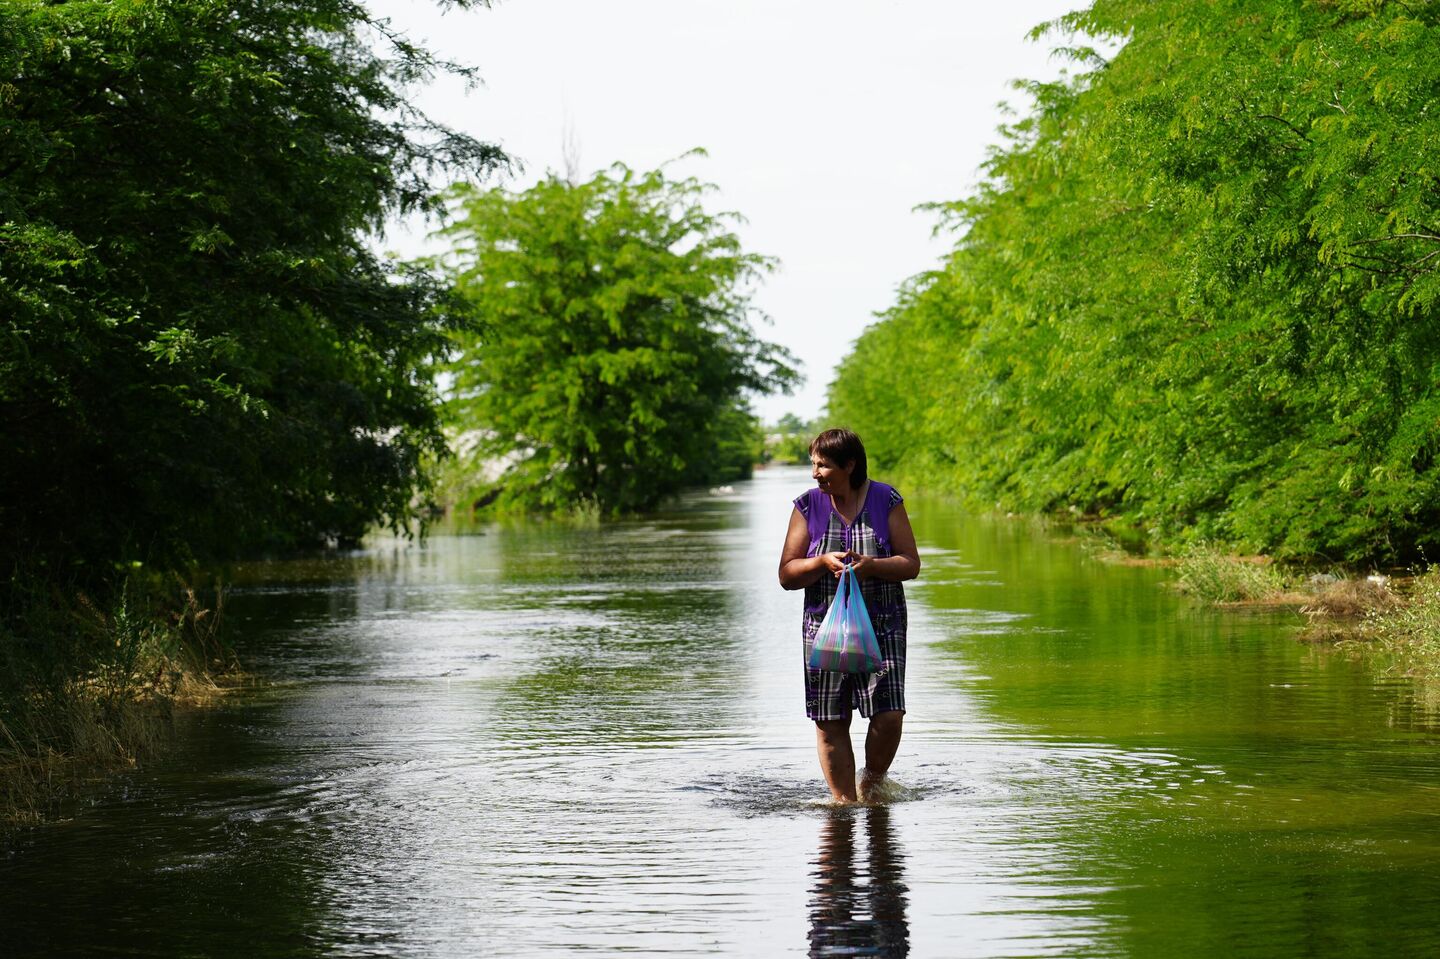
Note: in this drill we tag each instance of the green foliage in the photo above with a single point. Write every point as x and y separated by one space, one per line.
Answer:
202 354
617 350
1197 289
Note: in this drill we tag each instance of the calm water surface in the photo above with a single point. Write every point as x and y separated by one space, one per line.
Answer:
544 741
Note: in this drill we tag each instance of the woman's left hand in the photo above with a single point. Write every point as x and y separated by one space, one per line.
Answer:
861 562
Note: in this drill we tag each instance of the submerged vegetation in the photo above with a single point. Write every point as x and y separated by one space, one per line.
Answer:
1217 577
1392 621
89 681
1196 292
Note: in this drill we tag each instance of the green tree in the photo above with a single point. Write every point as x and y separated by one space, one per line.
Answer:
618 349
1197 289
202 354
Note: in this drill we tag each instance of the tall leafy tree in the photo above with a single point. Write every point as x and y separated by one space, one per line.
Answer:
202 354
618 349
1198 289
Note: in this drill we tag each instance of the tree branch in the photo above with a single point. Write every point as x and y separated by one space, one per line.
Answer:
1292 127
1398 236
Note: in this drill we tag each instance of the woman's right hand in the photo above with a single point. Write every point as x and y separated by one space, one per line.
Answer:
835 562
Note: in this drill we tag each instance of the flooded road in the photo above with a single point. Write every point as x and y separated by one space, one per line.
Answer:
550 740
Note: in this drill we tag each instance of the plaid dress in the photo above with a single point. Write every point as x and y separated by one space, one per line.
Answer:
834 695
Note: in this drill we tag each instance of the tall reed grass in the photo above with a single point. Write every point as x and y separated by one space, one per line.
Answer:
1214 576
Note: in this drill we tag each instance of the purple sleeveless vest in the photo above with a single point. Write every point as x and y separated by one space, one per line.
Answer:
877 504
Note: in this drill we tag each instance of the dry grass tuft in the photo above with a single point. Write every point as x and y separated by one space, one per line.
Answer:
1398 625
1352 598
1327 632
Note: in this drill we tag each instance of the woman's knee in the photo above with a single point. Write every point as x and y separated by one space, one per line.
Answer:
890 721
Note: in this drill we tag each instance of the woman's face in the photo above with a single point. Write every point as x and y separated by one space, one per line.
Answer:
828 475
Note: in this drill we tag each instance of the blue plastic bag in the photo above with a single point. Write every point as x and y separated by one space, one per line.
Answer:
845 642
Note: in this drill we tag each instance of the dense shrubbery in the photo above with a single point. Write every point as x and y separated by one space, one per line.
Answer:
1197 290
202 354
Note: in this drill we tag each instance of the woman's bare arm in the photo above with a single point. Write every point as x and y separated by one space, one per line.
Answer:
798 570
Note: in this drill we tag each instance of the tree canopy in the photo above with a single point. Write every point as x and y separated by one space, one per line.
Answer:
618 347
1197 290
203 355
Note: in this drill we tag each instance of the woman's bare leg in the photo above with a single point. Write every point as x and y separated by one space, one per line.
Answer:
881 742
837 757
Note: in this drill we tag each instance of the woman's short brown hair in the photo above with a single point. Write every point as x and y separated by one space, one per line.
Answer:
841 446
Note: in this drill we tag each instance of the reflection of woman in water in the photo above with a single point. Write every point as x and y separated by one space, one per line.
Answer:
852 913
850 519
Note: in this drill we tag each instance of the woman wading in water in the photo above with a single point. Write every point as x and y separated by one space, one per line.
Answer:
850 519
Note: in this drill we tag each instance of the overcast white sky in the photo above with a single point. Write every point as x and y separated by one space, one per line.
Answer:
826 123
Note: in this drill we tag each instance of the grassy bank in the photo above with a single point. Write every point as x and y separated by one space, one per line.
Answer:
90 680
1401 635
1391 620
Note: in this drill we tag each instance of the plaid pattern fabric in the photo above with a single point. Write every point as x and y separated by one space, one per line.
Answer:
834 695
878 593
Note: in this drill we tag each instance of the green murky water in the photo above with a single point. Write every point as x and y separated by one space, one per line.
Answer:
538 742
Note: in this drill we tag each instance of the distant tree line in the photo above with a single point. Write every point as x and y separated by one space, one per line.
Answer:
787 440
1197 290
